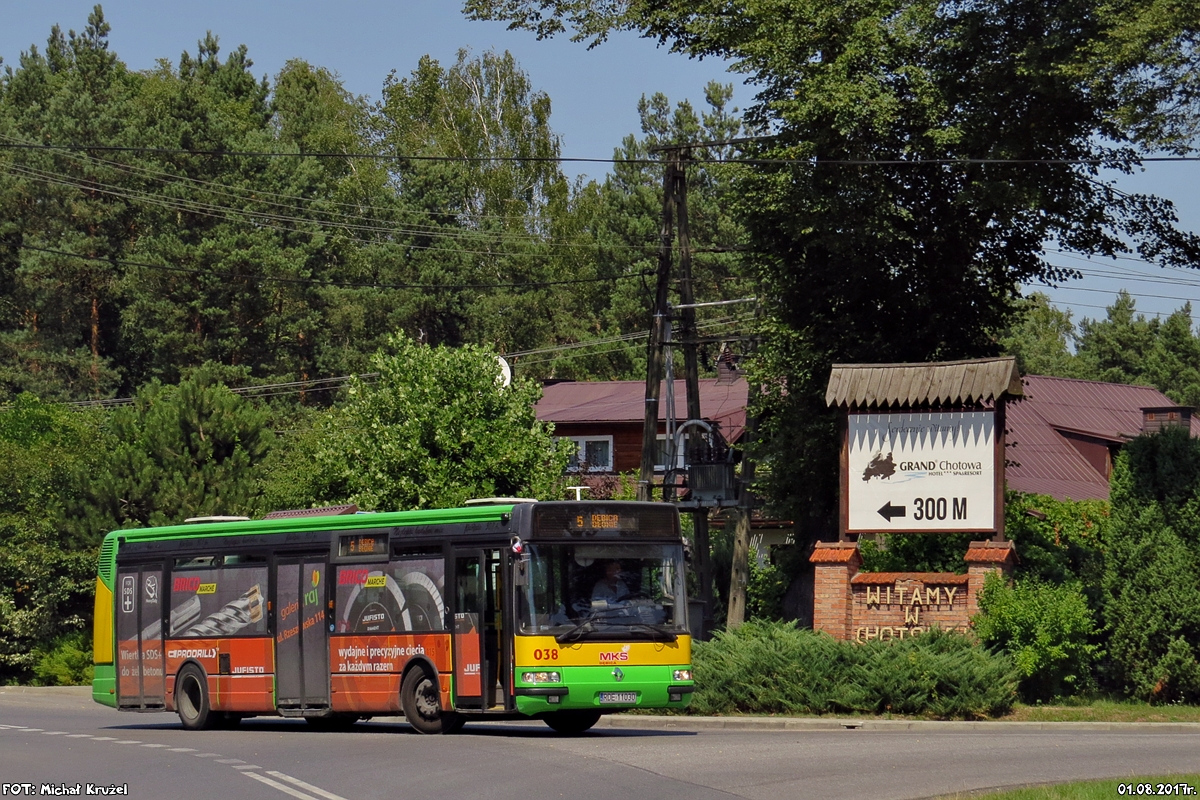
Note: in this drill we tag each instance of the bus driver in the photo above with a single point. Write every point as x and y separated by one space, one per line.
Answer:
610 589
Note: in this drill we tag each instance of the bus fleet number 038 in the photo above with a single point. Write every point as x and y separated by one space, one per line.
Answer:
549 654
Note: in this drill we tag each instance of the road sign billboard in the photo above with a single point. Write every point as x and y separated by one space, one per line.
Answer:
919 472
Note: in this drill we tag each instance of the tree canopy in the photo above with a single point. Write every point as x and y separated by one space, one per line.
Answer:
1123 347
918 154
434 429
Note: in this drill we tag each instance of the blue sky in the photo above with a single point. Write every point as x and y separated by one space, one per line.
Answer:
594 92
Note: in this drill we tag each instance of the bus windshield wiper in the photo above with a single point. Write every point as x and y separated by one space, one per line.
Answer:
576 633
656 633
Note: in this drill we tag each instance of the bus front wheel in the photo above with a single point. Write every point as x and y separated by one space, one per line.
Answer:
572 723
421 701
191 699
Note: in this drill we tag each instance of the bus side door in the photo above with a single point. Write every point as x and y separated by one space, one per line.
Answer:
301 633
480 663
139 612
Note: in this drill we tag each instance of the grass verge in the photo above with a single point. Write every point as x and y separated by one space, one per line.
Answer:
1174 785
1103 711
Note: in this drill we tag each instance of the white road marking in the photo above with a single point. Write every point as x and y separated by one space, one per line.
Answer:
236 763
281 787
307 786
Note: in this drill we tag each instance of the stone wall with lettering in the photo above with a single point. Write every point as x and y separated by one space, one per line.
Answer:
863 606
893 605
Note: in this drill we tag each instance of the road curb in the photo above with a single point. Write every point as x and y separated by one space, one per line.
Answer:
797 724
48 691
680 723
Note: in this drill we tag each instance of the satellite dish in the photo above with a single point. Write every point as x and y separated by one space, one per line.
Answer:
505 372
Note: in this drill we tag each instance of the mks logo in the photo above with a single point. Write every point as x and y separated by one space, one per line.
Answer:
609 657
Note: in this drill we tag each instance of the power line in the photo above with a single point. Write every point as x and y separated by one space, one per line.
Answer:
1138 311
340 284
260 391
257 392
625 341
364 223
570 159
1133 294
272 221
1120 257
255 194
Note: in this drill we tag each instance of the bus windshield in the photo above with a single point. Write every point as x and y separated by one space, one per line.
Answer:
579 592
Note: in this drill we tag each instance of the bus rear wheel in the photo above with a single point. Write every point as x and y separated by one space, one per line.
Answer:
421 701
191 699
572 723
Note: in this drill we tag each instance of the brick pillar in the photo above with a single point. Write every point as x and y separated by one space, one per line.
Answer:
834 564
983 559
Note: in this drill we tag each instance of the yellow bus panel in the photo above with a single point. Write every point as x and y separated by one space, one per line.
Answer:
544 652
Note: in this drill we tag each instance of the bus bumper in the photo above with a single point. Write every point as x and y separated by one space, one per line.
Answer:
608 689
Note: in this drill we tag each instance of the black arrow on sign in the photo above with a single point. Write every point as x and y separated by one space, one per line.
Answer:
888 511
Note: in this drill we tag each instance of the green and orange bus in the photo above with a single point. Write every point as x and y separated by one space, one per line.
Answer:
505 609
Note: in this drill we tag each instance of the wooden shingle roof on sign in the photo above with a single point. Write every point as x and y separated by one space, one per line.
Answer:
931 384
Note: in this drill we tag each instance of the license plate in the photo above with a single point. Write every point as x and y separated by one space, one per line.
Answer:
608 698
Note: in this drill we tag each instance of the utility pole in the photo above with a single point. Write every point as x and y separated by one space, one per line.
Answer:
739 573
691 366
675 208
654 353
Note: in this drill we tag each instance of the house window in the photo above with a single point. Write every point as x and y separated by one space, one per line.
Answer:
660 454
593 453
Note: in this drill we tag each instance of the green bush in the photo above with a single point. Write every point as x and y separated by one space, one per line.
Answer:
1178 674
1047 630
766 589
938 674
777 668
68 662
1059 541
916 552
1152 597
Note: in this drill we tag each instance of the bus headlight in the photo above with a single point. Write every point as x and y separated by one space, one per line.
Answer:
682 675
541 677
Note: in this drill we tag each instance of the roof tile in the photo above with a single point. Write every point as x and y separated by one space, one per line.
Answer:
723 402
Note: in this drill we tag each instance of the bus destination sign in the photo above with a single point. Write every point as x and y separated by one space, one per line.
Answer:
362 544
597 522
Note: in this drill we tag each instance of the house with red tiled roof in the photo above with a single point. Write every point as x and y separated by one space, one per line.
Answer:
1064 434
605 418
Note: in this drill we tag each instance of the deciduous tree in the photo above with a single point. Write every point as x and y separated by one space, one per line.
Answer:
434 429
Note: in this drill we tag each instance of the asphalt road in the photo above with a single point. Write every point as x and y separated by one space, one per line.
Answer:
61 739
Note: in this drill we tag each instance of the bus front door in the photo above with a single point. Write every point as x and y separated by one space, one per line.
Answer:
301 635
481 666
